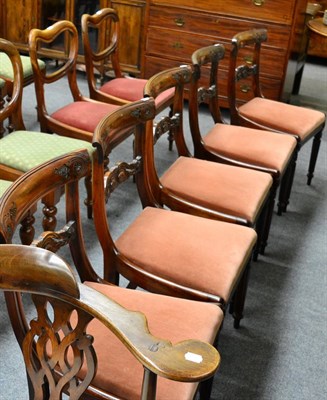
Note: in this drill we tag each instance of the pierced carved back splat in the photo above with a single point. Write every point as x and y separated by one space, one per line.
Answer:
56 348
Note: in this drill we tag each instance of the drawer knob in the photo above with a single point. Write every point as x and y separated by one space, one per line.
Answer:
179 21
258 2
178 45
245 88
248 60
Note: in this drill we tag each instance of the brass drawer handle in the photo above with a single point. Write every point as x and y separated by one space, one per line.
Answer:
258 2
245 88
178 45
248 60
179 21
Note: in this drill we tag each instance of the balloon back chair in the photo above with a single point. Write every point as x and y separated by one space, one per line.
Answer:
164 251
100 33
92 340
78 118
200 187
255 149
22 150
258 112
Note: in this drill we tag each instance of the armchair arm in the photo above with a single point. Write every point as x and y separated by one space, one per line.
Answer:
36 270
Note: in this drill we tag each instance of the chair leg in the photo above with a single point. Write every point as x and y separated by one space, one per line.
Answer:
205 389
260 229
231 304
314 156
268 218
239 298
286 185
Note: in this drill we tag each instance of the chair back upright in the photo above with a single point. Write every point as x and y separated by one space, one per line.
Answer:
12 109
104 55
245 75
131 116
66 32
170 124
204 90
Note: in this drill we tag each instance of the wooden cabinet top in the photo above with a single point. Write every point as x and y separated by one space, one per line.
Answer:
280 11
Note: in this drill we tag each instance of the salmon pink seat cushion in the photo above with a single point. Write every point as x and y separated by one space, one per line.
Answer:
232 190
205 255
131 89
261 148
118 372
298 121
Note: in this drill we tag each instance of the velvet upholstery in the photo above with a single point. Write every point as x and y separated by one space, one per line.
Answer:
251 146
126 88
298 121
189 177
147 239
132 89
83 115
123 374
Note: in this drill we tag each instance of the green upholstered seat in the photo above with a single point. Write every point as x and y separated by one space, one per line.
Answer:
4 185
6 70
23 150
2 83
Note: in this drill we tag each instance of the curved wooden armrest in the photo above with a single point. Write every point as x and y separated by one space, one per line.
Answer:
36 270
186 361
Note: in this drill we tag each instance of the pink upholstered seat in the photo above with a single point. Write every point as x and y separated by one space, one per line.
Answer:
132 89
218 187
123 375
83 115
251 146
147 239
283 117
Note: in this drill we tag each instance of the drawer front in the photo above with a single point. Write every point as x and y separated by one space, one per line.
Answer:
153 65
215 25
179 46
175 44
270 10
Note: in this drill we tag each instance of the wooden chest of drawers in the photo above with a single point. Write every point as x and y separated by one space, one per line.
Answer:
178 27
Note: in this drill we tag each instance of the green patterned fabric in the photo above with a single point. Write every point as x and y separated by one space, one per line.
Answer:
23 150
6 67
3 186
